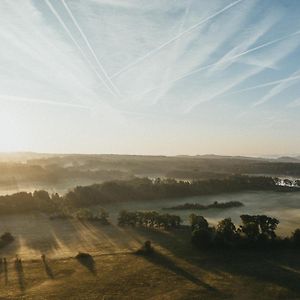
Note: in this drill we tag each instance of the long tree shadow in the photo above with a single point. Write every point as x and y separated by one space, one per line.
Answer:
48 270
87 261
267 267
165 262
277 266
5 271
20 273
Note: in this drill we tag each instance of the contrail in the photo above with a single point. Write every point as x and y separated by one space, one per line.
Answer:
279 88
224 61
271 83
173 55
77 45
41 101
178 36
89 46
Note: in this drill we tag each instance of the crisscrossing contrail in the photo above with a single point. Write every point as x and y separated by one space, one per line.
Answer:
253 49
175 38
270 83
62 23
89 46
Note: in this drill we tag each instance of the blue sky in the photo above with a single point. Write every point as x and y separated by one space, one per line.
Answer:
150 77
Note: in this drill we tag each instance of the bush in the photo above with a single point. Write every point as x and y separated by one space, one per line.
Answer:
7 237
146 249
83 255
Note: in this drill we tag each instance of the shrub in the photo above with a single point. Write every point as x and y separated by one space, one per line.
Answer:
83 255
7 237
146 249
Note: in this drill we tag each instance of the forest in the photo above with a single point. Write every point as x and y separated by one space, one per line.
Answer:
137 189
197 206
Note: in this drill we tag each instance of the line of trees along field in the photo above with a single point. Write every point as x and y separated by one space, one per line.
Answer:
138 189
198 206
151 219
255 231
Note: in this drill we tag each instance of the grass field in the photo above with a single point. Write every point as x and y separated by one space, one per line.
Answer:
176 271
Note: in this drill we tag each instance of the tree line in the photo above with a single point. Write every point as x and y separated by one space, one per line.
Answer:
151 219
141 189
255 231
137 189
198 206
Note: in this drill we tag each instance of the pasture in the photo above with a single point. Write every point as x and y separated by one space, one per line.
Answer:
177 270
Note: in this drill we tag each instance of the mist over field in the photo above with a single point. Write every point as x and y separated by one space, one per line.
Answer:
58 207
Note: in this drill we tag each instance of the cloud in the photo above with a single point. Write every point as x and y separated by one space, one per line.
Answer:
170 57
10 98
38 62
111 86
176 37
280 86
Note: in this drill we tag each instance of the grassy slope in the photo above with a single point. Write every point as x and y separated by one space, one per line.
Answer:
177 271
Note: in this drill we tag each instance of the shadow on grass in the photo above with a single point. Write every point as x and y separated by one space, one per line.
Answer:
3 269
268 266
87 261
48 270
20 274
165 262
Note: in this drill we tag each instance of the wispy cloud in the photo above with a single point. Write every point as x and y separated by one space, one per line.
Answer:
231 59
10 98
90 48
175 38
280 86
171 61
280 82
62 23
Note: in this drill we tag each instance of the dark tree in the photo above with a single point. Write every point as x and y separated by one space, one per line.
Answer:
198 222
226 231
296 237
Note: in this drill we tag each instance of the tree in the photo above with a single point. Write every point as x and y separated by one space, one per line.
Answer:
103 216
259 227
7 237
122 219
288 182
296 237
226 231
267 226
198 222
249 227
84 214
202 238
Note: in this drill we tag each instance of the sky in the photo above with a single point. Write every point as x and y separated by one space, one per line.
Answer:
162 77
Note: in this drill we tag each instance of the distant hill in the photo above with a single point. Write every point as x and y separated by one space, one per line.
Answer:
295 159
